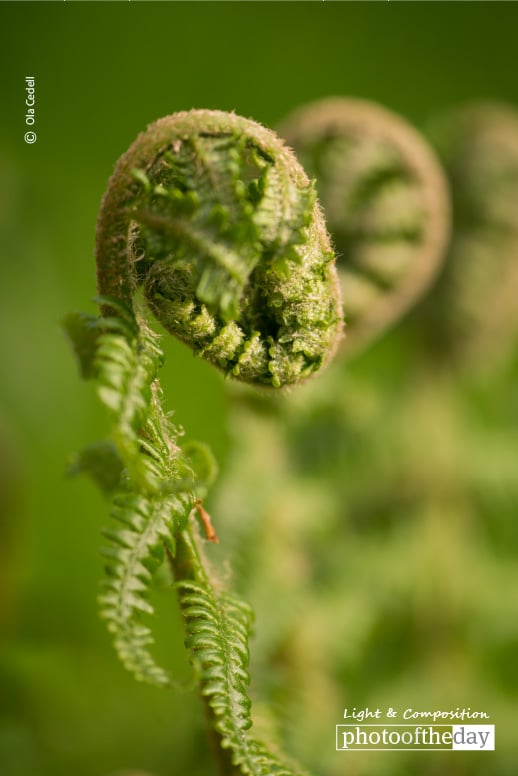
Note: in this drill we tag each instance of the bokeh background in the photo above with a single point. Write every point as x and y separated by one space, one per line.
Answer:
103 71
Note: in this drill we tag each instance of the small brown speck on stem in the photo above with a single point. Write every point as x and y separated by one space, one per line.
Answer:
210 533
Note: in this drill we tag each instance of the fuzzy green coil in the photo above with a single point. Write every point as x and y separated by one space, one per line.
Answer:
213 217
386 204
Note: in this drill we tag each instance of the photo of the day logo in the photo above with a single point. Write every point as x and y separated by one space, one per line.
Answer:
480 738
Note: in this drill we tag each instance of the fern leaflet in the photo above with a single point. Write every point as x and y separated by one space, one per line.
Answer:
217 631
136 551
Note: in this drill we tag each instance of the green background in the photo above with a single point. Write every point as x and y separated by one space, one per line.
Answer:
103 71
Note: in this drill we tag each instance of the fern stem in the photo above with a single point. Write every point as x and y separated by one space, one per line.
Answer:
187 564
217 630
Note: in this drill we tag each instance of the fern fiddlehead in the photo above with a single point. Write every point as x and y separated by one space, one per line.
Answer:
213 220
473 313
212 215
386 205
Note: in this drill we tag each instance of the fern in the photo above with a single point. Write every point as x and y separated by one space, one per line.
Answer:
386 203
192 216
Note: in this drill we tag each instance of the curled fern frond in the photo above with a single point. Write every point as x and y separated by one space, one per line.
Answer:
214 218
386 205
473 313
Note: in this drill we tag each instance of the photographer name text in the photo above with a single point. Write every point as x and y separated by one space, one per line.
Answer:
30 108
